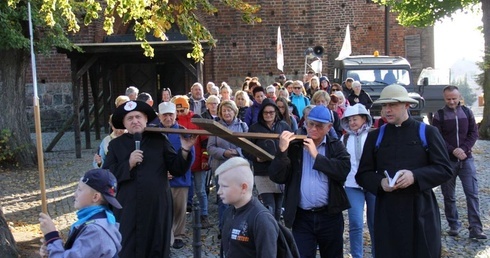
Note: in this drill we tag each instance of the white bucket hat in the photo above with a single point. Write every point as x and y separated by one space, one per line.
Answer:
394 94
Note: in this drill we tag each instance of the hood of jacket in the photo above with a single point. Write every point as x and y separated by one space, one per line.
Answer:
265 103
357 109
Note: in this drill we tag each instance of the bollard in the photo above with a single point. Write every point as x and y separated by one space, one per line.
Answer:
196 225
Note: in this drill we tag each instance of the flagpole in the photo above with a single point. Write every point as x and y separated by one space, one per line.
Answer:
37 119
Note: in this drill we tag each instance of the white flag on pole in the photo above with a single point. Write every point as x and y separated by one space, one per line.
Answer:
346 46
280 51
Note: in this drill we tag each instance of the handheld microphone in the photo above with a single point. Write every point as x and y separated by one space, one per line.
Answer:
137 140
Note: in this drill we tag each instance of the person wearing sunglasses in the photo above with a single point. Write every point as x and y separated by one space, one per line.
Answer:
298 98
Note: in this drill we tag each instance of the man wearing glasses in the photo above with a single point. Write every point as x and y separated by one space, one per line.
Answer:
314 171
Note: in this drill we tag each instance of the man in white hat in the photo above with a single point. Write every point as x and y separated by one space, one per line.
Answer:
407 222
179 185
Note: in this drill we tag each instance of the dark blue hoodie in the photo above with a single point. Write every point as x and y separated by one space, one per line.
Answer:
185 180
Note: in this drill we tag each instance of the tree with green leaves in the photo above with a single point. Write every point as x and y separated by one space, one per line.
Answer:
423 13
467 93
55 21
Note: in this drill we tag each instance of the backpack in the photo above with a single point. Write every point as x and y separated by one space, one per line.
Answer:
286 246
421 135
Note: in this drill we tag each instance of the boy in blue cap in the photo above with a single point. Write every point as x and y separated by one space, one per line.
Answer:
95 233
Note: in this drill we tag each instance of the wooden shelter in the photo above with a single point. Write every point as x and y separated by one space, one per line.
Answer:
106 69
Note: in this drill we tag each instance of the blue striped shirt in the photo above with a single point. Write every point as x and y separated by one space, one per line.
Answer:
314 184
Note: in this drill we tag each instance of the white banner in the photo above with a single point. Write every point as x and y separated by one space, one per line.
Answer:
346 46
280 51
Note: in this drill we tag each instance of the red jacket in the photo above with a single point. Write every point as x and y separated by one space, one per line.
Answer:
199 146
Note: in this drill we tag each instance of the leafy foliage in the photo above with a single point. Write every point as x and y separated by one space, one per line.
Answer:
7 154
480 78
57 19
15 31
148 16
421 13
465 90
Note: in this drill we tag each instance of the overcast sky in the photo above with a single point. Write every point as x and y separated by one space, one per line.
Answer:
458 39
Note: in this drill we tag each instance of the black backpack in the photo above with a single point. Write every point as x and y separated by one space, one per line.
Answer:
286 246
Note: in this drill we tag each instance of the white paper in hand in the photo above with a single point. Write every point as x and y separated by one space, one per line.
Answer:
392 181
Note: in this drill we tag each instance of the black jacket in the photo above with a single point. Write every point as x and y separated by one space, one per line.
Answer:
269 145
286 168
407 221
363 98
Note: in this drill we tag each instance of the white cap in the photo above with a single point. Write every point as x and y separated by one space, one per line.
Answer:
166 108
270 88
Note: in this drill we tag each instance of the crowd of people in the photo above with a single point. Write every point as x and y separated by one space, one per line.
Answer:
345 163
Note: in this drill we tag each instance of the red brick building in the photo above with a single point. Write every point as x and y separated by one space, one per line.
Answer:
241 50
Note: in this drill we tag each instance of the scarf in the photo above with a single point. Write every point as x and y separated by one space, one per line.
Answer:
88 212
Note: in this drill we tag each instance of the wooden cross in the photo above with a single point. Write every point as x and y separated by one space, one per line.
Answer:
213 128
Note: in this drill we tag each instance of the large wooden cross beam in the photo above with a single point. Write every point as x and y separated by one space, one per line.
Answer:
214 128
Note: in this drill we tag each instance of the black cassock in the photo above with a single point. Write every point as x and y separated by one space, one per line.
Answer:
144 193
407 221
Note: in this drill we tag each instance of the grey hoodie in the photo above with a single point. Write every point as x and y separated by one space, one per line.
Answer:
97 239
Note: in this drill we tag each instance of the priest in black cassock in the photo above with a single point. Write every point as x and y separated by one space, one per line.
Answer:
143 189
407 221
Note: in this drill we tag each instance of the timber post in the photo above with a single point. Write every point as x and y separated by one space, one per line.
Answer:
196 225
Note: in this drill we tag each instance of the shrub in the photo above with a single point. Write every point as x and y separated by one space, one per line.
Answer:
7 153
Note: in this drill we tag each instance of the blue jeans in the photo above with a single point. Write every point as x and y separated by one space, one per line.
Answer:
466 172
312 229
273 202
200 190
357 197
191 192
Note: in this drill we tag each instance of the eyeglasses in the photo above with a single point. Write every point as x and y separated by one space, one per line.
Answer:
180 110
318 126
269 112
212 103
297 88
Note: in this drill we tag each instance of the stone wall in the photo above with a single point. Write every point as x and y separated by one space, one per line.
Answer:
55 103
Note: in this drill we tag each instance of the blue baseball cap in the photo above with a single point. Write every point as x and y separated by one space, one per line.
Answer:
104 182
320 114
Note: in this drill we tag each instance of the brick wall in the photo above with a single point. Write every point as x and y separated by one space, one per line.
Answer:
250 49
244 49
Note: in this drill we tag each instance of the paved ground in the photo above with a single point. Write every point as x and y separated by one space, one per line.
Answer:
19 197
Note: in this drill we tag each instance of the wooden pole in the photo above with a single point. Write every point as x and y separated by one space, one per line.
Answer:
40 155
37 119
205 132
